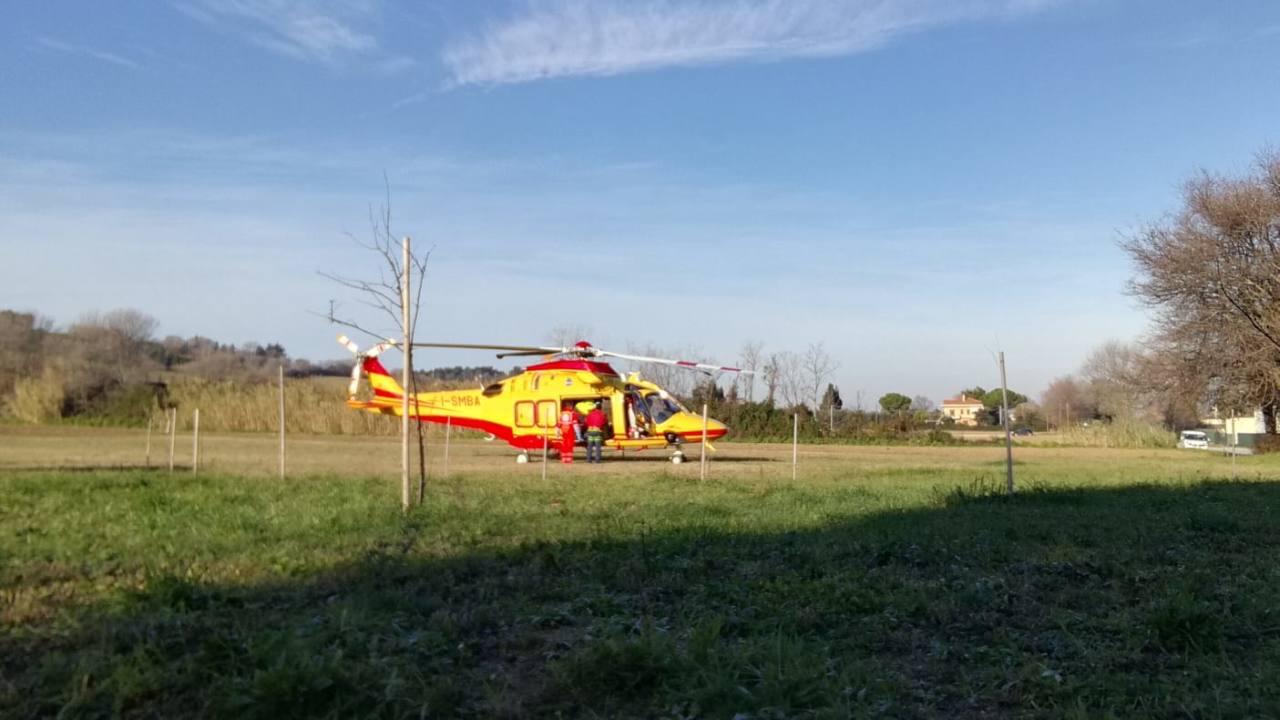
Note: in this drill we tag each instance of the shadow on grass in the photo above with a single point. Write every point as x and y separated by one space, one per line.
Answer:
1147 601
96 468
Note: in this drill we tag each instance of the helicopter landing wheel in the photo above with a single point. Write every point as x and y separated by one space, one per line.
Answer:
677 457
522 458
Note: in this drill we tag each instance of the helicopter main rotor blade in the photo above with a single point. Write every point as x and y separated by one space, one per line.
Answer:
521 349
523 353
687 364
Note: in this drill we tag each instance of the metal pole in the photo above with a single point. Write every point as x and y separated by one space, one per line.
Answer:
150 418
1004 418
282 421
702 458
406 374
195 440
795 444
545 436
448 426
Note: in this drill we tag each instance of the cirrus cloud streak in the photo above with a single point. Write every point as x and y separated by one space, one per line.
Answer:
609 37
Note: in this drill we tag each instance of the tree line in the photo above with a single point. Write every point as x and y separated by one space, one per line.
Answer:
110 367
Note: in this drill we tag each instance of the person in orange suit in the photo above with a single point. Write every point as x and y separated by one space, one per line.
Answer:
568 423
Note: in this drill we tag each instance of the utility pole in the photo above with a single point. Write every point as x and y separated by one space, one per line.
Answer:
407 373
1004 419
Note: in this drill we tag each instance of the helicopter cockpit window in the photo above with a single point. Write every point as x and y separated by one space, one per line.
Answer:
661 409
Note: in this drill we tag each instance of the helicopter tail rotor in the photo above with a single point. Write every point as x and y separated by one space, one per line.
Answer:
367 363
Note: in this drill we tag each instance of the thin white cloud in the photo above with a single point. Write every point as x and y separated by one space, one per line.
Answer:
324 32
83 51
608 37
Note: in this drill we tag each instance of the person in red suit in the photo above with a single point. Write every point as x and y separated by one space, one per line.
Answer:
595 434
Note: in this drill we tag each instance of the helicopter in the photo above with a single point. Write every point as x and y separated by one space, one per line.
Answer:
523 409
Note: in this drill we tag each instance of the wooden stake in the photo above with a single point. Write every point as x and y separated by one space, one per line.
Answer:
149 421
1004 418
545 443
195 440
282 421
1234 441
448 427
795 445
702 458
173 434
406 375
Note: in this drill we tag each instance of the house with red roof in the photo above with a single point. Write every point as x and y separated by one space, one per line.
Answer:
964 410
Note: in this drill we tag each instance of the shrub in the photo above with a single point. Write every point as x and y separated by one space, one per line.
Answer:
1120 435
1267 444
38 399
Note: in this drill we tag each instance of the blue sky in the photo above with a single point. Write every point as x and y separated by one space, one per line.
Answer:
913 183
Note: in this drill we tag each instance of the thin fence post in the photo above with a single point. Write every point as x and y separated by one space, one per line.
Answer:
1235 438
150 419
545 436
448 430
795 445
702 458
173 434
195 440
282 421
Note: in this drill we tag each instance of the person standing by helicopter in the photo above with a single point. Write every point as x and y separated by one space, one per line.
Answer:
595 434
568 433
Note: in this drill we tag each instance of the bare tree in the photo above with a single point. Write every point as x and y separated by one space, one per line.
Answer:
920 403
1066 401
1113 374
816 368
1212 273
749 359
791 379
568 334
772 376
396 294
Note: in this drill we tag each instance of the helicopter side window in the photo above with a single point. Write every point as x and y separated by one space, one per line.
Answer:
636 402
661 409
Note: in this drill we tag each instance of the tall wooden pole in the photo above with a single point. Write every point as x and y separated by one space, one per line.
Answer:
150 419
407 373
1004 418
195 440
702 458
281 421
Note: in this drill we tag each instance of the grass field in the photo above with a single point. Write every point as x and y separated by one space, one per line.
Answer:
886 582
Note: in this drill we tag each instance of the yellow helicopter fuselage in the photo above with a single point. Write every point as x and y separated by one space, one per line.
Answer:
524 409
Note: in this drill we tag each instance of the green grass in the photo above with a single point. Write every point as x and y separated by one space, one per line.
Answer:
887 592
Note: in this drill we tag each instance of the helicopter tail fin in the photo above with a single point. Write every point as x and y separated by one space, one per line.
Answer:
380 381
